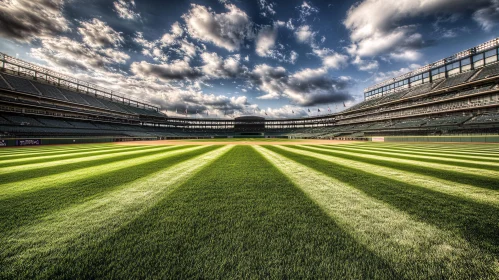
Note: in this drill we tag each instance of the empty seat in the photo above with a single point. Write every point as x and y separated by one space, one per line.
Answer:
488 71
78 124
455 80
3 84
54 122
21 84
4 121
419 89
50 91
73 97
92 101
23 120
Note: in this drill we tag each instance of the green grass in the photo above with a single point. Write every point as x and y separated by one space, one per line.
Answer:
352 211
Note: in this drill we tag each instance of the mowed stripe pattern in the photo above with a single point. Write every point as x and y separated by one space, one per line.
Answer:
365 210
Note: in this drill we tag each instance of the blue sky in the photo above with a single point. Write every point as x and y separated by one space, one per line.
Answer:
278 58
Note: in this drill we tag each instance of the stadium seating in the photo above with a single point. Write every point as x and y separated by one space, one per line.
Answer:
49 91
73 97
92 101
488 71
411 123
419 89
455 80
447 104
485 118
4 121
3 84
395 96
21 84
445 121
50 122
23 120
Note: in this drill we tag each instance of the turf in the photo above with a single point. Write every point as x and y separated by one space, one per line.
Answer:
222 140
351 211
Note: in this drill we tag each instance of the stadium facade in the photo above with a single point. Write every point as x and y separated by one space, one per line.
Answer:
455 98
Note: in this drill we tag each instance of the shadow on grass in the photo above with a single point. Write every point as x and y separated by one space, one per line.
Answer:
416 158
477 223
23 151
32 159
452 176
29 207
237 218
421 152
47 171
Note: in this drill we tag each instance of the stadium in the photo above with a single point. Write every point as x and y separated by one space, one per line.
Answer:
96 184
452 100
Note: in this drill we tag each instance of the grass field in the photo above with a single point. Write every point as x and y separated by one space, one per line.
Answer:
354 211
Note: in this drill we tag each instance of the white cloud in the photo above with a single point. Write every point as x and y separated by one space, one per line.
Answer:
304 34
381 76
187 48
293 57
66 54
286 111
406 55
306 9
227 30
98 34
305 88
177 70
26 20
125 9
266 8
266 46
335 61
270 80
216 67
171 41
167 39
279 23
177 30
365 65
331 59
376 26
488 17
265 40
139 39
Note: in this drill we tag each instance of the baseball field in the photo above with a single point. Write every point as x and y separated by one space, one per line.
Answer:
250 209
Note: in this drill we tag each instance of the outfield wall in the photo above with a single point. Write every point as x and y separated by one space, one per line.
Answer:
455 139
9 142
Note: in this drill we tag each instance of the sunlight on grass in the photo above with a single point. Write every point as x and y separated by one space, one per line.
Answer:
96 218
421 162
229 210
439 154
463 190
21 186
416 249
86 157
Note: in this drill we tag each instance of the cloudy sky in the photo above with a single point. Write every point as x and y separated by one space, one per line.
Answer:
235 57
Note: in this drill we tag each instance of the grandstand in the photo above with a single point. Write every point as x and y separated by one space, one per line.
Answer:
453 96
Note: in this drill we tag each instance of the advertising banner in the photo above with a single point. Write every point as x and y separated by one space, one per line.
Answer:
378 139
28 142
